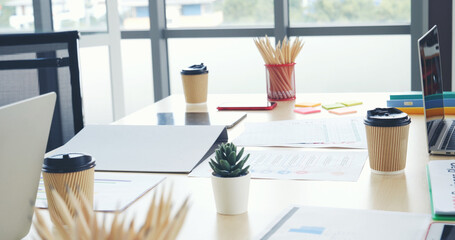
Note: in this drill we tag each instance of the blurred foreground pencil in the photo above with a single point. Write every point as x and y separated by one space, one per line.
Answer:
84 225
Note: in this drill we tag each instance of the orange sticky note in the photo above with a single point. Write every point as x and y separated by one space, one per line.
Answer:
341 111
307 104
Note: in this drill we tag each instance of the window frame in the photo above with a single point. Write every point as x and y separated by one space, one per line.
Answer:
159 34
281 28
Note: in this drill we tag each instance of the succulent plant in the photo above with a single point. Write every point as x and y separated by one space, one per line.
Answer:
227 162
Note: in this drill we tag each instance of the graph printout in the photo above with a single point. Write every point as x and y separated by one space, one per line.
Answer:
335 165
344 132
321 223
113 191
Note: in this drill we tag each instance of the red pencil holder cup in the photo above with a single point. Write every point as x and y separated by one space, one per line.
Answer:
280 81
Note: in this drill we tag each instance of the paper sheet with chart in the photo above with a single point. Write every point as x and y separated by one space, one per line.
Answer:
335 165
344 132
321 223
113 191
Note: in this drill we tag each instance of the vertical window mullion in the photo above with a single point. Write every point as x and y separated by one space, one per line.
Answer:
160 65
42 13
419 25
115 59
281 10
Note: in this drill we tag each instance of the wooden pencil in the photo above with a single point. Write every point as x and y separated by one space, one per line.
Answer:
159 224
279 61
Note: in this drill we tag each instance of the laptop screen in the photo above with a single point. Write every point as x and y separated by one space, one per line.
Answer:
432 89
430 69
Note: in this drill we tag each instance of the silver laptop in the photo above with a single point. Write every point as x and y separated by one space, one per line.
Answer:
24 131
440 130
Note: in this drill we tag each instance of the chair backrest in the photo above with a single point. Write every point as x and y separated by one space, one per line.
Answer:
36 63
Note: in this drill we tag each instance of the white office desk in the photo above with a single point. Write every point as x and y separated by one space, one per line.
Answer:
406 192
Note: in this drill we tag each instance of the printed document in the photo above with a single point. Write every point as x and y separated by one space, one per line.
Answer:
113 191
334 165
321 223
344 132
442 184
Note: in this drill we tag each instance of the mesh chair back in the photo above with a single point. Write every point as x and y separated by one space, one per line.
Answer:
38 63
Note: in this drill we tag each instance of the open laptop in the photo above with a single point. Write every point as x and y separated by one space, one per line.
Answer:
440 130
24 131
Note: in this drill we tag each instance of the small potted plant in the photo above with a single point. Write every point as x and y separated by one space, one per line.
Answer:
230 180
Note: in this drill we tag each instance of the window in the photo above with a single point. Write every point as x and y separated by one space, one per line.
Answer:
96 85
191 9
134 14
234 64
346 41
142 12
218 13
88 16
137 74
354 64
343 12
325 64
16 16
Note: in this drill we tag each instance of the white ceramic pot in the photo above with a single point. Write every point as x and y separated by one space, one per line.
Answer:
231 194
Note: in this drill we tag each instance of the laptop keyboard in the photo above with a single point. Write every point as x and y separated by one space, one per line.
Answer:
438 130
449 140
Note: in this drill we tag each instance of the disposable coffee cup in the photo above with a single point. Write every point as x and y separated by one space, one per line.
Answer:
195 83
74 171
387 132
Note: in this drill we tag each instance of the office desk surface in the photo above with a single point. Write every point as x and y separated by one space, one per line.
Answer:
407 192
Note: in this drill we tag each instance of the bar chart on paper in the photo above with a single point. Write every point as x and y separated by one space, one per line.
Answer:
343 132
333 165
320 223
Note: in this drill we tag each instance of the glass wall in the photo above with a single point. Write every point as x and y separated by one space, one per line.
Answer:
137 74
16 16
349 12
134 15
96 85
234 64
373 63
325 64
86 16
218 13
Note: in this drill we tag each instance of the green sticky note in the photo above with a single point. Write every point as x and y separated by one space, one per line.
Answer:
332 106
351 103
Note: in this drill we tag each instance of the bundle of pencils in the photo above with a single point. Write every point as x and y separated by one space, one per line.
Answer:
84 225
279 62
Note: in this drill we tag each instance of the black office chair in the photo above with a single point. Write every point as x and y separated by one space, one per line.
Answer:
36 63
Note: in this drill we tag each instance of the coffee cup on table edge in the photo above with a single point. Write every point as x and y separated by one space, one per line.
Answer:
74 171
195 83
387 131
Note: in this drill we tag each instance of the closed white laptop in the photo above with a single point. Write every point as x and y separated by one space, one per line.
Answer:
24 131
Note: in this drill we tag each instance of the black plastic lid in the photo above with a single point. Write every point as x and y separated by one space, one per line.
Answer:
71 162
195 69
387 117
